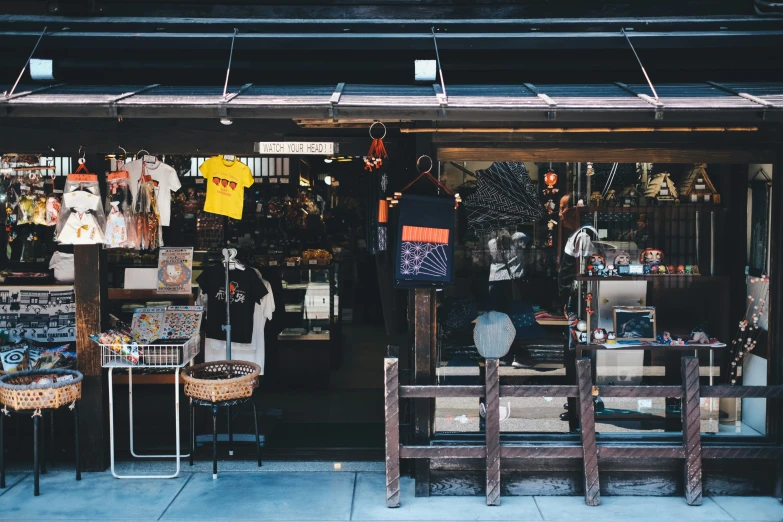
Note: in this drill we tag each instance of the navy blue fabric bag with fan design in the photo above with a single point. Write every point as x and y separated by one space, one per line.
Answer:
424 255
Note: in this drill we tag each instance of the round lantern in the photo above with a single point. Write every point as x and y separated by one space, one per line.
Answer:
651 256
550 178
493 335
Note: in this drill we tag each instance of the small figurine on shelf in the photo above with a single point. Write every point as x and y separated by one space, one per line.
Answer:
654 269
678 342
698 336
672 270
611 198
665 338
694 270
599 335
688 269
611 338
646 269
581 332
662 270
611 271
651 256
596 198
681 270
589 271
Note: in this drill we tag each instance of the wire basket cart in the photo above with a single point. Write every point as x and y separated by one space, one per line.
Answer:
156 355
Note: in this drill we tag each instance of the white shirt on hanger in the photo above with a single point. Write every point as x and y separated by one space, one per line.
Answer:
165 179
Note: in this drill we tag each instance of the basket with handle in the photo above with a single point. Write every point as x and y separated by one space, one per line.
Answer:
20 391
219 381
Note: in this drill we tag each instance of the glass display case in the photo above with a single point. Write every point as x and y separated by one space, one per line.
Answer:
311 301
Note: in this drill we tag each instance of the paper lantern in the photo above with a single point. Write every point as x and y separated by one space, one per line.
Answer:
493 335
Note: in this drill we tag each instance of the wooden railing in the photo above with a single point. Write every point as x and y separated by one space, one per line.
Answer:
588 449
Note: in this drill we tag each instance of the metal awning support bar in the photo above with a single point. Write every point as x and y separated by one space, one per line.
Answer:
21 73
640 63
113 103
443 97
230 57
223 109
654 102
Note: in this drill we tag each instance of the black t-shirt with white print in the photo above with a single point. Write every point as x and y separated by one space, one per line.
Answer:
246 289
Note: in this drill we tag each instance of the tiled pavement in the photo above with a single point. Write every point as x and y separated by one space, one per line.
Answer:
241 492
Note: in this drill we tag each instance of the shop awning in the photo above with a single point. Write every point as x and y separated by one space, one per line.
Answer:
615 102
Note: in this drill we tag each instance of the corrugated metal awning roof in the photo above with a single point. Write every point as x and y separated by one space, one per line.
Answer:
610 102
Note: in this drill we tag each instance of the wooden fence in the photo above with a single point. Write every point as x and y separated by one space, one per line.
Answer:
588 449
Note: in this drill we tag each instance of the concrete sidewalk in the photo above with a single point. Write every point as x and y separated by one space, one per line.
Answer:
354 493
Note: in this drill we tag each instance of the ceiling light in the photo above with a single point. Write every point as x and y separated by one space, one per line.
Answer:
226 121
328 180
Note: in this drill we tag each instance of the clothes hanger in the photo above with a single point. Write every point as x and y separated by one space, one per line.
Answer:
233 262
427 174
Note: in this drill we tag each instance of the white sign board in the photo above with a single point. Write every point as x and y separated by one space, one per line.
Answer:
296 147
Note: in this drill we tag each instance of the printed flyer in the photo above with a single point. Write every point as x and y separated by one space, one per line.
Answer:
175 270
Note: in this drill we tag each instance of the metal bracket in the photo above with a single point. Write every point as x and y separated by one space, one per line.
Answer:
552 113
113 103
654 102
755 99
334 101
223 109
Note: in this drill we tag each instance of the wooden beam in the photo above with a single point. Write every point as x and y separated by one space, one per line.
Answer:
492 431
392 410
691 430
587 423
422 334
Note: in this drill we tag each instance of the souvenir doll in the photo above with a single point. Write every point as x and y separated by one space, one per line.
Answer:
599 335
681 270
622 258
611 338
581 328
651 256
665 338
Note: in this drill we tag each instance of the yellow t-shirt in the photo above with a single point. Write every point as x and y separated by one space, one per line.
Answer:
226 183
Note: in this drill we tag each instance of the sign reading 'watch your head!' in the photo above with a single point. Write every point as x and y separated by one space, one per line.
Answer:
296 147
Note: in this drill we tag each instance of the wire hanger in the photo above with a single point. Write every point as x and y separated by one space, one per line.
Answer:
427 174
233 263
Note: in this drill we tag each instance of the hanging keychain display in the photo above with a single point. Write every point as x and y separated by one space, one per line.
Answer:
377 153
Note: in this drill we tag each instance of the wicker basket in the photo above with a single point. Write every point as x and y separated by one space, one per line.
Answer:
219 381
18 390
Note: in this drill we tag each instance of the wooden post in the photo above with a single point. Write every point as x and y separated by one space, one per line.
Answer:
691 430
392 408
422 375
587 423
89 294
492 431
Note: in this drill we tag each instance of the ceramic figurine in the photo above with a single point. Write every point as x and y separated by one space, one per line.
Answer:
688 269
647 269
581 328
699 336
654 269
597 259
599 335
694 270
596 198
651 256
611 271
665 338
611 198
672 270
550 206
622 258
611 338
590 270
662 269
680 270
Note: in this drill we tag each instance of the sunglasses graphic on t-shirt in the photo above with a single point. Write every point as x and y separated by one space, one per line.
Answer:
220 181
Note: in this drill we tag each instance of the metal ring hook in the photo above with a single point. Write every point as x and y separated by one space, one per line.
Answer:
83 154
418 164
143 150
382 125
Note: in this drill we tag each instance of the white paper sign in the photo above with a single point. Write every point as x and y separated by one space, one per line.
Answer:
295 147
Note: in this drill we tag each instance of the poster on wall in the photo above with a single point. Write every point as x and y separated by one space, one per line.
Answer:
38 313
175 270
759 222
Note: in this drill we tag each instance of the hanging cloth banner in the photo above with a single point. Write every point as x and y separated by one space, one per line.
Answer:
424 255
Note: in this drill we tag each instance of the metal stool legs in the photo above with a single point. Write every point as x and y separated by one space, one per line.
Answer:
214 442
36 456
258 440
2 450
192 432
230 434
76 436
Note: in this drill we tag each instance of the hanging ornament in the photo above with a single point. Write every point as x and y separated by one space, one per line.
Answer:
550 206
550 178
550 241
376 155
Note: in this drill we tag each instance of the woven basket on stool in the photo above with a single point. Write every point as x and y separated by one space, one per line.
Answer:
219 381
18 391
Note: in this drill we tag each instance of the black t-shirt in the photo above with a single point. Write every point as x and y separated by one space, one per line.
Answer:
246 289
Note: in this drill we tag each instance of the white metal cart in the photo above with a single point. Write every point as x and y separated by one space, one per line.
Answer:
160 356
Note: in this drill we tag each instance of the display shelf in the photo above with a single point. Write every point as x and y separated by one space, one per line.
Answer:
649 277
119 294
311 336
553 322
651 346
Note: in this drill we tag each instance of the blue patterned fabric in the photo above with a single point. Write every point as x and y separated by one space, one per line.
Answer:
525 321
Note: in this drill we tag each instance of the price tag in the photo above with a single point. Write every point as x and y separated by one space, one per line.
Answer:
199 181
272 180
313 261
273 263
149 158
284 181
290 263
229 157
